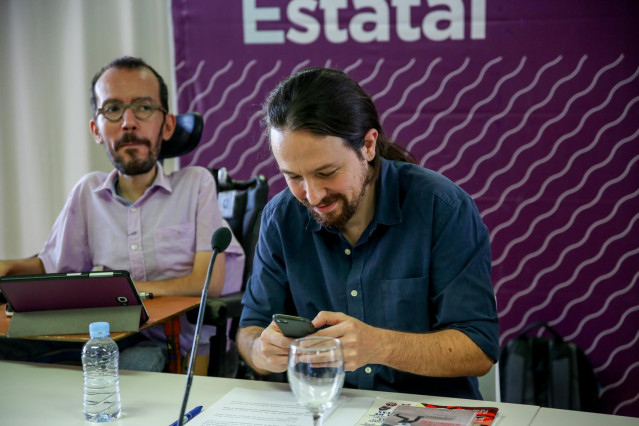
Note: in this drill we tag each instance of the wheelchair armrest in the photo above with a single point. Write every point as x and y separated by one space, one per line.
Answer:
233 303
215 313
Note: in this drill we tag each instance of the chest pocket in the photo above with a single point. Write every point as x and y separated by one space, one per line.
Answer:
406 306
175 248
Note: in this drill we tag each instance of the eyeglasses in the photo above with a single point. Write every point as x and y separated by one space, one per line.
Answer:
142 109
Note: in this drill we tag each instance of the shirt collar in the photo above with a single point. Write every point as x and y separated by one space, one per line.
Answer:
387 204
387 207
161 180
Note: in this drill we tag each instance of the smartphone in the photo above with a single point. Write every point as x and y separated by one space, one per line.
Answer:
293 326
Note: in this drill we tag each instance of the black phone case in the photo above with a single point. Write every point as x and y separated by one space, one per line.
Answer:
294 326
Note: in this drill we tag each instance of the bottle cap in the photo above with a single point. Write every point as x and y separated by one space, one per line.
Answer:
99 329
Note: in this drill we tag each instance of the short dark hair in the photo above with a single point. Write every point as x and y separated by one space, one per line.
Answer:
328 102
131 63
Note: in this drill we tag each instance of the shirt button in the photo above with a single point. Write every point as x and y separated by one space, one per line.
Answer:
368 370
347 252
133 210
134 247
354 293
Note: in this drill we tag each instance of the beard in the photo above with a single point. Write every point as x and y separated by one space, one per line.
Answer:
136 165
339 220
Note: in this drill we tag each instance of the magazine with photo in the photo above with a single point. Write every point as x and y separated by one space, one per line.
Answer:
380 411
428 416
484 416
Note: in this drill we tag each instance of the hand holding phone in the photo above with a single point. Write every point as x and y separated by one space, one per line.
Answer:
293 326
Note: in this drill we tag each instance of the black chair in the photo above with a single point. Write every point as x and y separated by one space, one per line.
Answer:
241 203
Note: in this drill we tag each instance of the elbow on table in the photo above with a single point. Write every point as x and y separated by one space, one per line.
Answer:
483 365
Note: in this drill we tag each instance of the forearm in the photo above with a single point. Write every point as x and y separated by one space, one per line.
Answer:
446 353
192 284
182 286
30 265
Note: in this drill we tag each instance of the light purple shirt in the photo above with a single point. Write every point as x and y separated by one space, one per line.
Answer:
155 238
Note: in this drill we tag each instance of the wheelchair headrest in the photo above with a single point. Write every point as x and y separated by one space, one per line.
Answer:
187 134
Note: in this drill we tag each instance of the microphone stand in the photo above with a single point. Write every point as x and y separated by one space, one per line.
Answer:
220 241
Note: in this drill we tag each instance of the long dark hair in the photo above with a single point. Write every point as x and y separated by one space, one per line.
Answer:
131 63
328 102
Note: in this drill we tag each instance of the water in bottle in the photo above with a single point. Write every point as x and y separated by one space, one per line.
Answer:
100 358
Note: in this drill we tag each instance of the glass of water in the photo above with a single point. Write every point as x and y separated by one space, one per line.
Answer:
316 373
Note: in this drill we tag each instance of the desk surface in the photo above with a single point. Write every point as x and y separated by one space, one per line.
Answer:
37 393
159 309
52 394
554 417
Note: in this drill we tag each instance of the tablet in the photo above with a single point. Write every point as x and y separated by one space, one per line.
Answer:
47 292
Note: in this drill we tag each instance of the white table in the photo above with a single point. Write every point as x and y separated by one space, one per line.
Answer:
555 417
52 394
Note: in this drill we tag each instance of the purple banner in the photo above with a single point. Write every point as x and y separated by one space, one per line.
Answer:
531 106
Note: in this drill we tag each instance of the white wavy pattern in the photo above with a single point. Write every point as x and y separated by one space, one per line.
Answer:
209 88
183 85
471 115
628 345
458 95
373 74
407 91
583 241
559 199
497 117
551 154
604 308
557 287
520 150
560 231
391 80
449 110
622 381
547 147
222 102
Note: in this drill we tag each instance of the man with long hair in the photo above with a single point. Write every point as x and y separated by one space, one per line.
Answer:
390 258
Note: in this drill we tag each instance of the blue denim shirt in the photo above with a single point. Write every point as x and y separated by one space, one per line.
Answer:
422 264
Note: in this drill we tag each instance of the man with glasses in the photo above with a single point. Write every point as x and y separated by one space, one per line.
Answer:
137 218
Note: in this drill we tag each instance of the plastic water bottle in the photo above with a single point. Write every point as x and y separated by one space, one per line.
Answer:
100 356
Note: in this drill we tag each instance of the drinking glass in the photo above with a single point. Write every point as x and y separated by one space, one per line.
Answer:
316 373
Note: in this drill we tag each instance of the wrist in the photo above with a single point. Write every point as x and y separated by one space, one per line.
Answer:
383 352
248 339
260 365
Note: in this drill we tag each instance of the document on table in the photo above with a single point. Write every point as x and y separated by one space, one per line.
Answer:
244 407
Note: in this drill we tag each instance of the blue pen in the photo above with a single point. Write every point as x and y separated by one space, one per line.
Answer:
188 416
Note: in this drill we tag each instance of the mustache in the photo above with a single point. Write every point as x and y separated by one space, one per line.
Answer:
131 138
324 201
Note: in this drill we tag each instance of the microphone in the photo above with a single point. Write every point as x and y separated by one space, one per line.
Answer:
220 241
